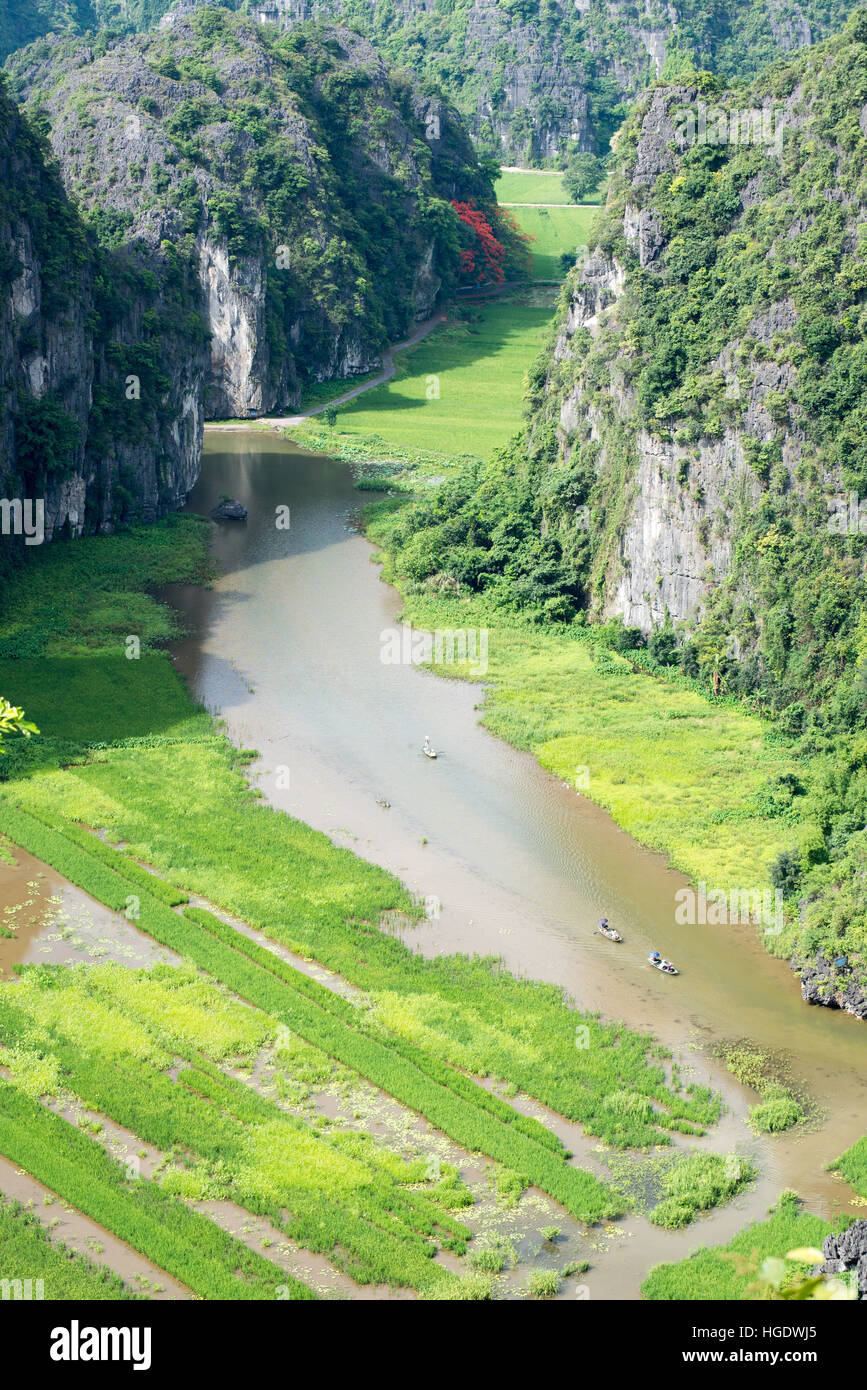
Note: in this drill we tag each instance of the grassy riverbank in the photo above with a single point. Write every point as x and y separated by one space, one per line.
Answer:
682 773
124 752
731 1272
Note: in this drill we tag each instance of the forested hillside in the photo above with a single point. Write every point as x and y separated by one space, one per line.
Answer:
256 213
693 464
530 76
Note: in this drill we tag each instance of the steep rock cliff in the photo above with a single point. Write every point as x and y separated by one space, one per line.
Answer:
706 383
529 76
76 433
305 184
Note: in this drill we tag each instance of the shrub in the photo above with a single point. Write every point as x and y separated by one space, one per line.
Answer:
543 1283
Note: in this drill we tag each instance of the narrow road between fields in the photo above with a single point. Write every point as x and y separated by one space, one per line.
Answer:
388 371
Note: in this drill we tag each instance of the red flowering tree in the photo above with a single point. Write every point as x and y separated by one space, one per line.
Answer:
482 254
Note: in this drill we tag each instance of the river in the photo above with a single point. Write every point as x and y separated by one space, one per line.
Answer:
286 648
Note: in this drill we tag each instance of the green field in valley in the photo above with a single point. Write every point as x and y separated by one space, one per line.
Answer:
460 390
531 186
537 186
553 229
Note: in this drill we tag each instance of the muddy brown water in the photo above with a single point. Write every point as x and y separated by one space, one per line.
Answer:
68 1226
54 923
286 647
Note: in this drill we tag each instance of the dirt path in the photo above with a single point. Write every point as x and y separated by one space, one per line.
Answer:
388 371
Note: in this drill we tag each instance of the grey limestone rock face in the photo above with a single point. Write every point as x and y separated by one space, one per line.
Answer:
847 1254
197 325
830 987
683 496
117 457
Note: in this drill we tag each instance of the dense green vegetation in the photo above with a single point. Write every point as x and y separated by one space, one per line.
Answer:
778 1108
592 55
28 1253
111 315
474 54
853 1165
732 1271
301 149
160 1226
760 700
536 530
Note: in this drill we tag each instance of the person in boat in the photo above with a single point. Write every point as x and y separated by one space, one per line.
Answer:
603 922
656 958
427 744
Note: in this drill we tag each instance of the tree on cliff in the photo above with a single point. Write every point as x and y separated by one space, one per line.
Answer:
482 254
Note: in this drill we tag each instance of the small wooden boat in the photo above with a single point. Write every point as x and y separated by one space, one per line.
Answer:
429 752
664 965
608 932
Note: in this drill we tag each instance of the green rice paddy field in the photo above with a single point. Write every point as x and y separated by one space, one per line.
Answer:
458 391
165 789
554 229
530 186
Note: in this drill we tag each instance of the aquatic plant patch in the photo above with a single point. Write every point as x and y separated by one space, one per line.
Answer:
697 1183
730 1271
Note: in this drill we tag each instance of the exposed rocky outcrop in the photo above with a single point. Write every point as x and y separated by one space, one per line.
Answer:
698 437
78 432
832 986
537 75
229 510
296 180
846 1253
253 215
680 486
